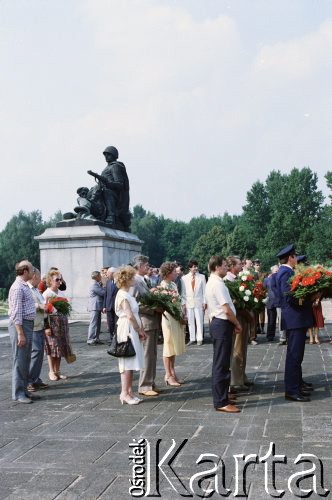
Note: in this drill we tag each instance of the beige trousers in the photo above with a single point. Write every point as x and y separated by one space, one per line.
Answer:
239 355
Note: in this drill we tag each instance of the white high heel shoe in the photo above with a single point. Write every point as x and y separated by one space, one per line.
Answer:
137 398
129 400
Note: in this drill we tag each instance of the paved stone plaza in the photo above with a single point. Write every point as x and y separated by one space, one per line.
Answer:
74 442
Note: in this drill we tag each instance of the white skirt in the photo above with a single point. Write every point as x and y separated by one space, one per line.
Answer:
135 362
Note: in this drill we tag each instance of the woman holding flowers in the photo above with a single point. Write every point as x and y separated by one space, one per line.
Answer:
173 331
57 342
129 324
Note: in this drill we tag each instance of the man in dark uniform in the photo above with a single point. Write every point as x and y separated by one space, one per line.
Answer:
296 317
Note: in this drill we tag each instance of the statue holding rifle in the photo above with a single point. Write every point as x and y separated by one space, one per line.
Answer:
114 190
108 200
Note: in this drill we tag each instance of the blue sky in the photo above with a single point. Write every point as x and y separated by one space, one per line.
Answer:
202 98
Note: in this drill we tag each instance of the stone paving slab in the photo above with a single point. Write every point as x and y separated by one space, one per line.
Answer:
74 442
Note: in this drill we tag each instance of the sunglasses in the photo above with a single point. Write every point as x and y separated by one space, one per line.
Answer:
58 279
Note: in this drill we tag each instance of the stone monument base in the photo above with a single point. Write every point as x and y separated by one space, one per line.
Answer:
77 250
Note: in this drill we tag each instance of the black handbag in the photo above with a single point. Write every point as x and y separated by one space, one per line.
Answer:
121 349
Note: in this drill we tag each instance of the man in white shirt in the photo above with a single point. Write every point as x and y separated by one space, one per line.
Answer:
193 298
223 323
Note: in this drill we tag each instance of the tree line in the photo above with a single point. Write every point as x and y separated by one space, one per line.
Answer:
286 208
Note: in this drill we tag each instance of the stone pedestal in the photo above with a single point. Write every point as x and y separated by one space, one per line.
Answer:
80 249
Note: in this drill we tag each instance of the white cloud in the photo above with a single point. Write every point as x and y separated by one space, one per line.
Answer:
297 59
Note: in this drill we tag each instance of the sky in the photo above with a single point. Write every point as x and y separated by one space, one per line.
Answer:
201 97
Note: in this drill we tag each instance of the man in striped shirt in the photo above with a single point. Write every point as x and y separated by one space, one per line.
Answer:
22 312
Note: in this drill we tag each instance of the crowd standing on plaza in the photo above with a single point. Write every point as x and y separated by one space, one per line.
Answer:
38 324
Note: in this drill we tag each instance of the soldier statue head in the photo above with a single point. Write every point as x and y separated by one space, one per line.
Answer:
111 154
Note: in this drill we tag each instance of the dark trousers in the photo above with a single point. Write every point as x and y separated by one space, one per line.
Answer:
294 358
221 331
111 322
271 323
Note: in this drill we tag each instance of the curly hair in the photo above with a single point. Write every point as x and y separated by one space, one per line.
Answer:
50 274
166 268
124 275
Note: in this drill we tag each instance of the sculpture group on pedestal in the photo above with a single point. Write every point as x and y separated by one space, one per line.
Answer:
108 200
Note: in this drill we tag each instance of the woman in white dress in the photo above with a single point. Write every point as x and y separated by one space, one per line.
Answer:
173 330
128 324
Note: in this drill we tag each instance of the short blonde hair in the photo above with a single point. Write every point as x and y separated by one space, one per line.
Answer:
166 268
50 275
124 275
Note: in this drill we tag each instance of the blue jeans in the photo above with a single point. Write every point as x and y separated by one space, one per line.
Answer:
221 331
37 357
21 359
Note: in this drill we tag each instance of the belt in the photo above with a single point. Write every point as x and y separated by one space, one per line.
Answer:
28 319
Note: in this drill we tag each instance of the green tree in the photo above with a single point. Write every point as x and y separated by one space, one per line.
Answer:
17 242
173 240
52 221
256 212
319 249
240 241
296 206
214 242
149 228
138 212
328 177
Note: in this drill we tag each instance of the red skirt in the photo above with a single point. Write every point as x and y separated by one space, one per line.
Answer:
318 316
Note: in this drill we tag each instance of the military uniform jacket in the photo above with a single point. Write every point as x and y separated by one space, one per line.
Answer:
293 315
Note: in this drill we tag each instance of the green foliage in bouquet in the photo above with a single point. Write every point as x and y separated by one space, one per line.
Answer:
247 293
61 304
164 299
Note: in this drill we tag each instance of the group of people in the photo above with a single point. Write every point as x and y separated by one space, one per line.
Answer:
36 326
273 309
119 297
119 292
101 299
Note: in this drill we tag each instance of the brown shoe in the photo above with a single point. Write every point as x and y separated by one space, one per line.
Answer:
229 409
149 393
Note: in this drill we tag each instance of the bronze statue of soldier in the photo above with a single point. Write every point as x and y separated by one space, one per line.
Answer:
114 190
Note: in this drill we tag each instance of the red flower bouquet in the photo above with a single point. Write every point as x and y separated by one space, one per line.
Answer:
310 280
61 305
